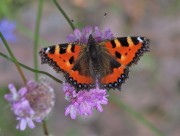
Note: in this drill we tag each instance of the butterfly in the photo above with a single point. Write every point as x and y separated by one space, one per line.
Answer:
106 63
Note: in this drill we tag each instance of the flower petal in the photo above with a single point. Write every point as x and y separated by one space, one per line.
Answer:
8 97
71 38
22 91
97 34
107 34
67 110
85 108
22 108
86 31
99 108
30 123
13 96
22 124
12 89
72 110
77 33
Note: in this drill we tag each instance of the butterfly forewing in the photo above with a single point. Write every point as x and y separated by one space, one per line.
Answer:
60 56
127 50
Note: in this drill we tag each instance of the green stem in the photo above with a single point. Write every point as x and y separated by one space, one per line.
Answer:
4 8
12 56
31 69
45 128
136 115
36 36
36 42
64 14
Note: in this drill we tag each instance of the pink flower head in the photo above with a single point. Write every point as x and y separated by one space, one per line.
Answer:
83 102
83 36
32 102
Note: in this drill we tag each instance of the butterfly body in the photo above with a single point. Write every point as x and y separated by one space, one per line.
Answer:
106 63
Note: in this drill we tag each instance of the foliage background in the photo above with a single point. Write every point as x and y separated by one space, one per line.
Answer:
153 88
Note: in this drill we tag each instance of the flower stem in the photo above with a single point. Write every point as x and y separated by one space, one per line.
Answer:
46 133
64 14
12 56
31 69
36 36
136 115
4 10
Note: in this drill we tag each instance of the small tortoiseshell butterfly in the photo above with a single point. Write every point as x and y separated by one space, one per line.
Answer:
107 62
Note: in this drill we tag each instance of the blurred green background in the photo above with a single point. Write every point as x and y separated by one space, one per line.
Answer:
153 88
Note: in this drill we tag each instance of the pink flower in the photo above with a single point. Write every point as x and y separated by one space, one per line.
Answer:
83 102
83 36
32 102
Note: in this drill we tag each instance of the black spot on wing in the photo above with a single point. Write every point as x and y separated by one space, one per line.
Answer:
117 54
72 48
62 51
135 40
62 48
52 49
76 67
71 60
113 44
123 41
114 63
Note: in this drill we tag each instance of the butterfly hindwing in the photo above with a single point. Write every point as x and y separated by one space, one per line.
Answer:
81 72
117 76
112 72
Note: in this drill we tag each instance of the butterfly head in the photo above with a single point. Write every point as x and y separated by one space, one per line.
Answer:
92 47
91 40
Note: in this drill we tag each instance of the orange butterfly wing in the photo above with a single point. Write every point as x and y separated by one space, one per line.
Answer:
62 57
119 54
126 50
